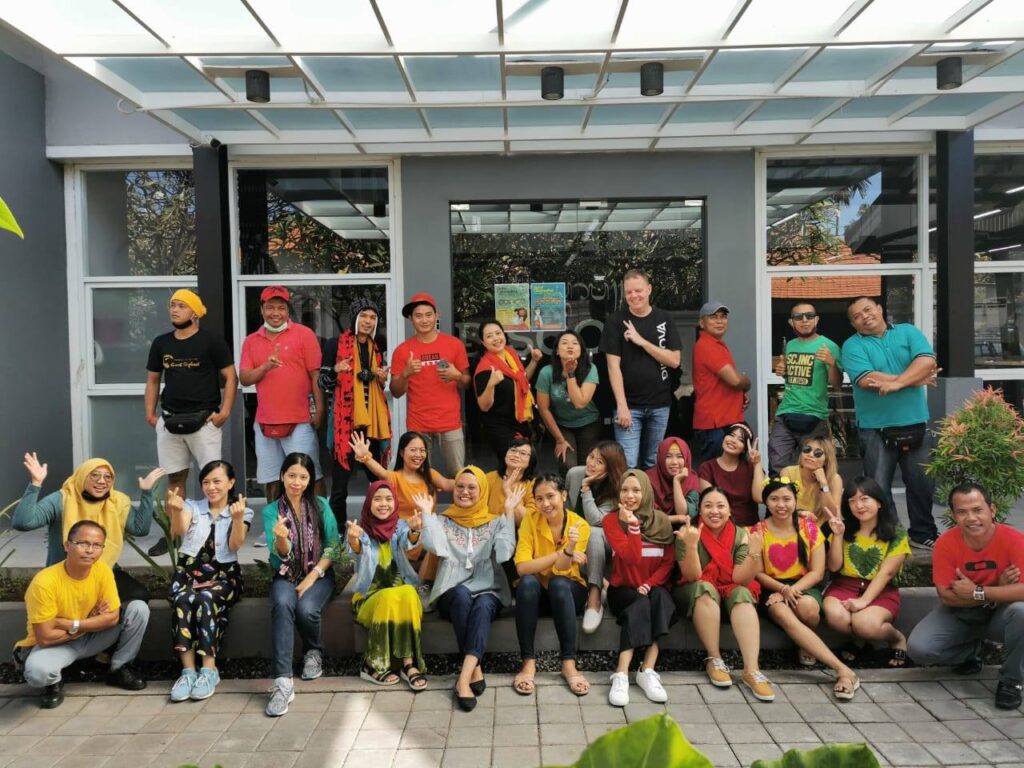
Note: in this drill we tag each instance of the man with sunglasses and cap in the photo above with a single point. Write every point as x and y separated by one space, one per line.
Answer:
282 358
720 390
432 368
810 365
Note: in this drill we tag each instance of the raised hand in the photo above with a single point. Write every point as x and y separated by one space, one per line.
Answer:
448 373
755 542
353 530
511 480
415 521
689 533
825 355
36 471
681 475
381 374
280 529
174 502
754 451
572 536
424 504
631 334
496 377
237 510
343 366
819 476
146 483
580 558
628 517
835 522
360 447
412 366
535 354
274 361
569 367
513 498
589 479
780 366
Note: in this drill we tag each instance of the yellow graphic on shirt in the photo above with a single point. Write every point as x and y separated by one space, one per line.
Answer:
799 368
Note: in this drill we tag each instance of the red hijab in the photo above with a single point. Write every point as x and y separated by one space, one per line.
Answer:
661 480
377 529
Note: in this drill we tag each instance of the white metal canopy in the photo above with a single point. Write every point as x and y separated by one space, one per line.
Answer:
413 76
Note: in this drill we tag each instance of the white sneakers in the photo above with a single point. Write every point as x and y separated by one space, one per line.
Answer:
592 619
648 681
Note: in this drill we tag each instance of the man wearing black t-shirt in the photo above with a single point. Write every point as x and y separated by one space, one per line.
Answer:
641 344
192 362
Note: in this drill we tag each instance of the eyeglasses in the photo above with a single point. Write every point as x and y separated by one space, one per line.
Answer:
815 452
88 546
524 452
803 316
465 488
97 477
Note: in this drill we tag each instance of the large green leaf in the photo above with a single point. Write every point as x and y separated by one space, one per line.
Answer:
830 756
7 220
655 742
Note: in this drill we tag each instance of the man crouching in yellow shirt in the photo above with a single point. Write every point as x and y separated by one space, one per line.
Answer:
74 613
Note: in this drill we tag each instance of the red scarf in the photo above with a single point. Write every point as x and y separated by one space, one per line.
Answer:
508 363
718 571
661 480
343 393
377 529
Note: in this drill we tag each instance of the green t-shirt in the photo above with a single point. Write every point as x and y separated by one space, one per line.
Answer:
566 414
807 377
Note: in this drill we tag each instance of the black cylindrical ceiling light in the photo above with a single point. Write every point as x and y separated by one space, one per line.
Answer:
257 85
552 83
652 79
949 73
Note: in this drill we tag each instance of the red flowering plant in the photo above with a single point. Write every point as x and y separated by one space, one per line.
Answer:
983 442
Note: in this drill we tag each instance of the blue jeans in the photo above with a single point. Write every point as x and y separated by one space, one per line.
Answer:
880 463
708 443
563 600
471 618
640 441
289 612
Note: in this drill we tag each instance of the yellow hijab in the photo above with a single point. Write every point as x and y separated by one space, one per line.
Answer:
480 513
111 513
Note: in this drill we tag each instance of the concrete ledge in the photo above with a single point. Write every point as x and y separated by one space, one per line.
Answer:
249 633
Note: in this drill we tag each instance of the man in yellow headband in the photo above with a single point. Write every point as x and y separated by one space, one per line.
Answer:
193 364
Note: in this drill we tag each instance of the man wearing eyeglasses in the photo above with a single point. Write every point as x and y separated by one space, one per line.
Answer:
74 613
810 365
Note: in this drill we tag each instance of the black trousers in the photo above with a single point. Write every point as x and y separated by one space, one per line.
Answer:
340 477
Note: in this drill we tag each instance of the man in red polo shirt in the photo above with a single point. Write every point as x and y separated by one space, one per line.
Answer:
719 388
282 359
432 369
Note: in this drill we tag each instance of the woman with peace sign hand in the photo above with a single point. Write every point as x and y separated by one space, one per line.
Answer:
207 578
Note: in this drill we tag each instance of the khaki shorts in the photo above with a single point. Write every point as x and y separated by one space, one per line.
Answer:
176 452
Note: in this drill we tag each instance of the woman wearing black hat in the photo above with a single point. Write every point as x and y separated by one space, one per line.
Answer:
354 371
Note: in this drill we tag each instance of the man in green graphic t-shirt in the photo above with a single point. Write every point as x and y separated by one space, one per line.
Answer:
810 366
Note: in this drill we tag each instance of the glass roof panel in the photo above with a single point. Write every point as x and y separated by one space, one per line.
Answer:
628 114
219 119
853 63
674 78
797 18
749 66
158 74
250 62
302 119
791 109
454 73
709 111
474 117
956 105
368 119
277 84
991 21
573 84
522 117
901 18
659 23
185 22
356 73
293 21
872 106
52 21
1010 68
415 22
569 23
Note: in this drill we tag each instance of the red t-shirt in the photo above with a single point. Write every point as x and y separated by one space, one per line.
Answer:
737 485
635 561
718 404
282 396
434 405
980 566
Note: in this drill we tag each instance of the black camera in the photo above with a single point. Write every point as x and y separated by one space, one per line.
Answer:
365 376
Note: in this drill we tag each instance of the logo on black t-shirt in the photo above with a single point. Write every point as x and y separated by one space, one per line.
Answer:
171 362
661 328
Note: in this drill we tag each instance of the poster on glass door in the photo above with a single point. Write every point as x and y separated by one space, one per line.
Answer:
547 306
512 305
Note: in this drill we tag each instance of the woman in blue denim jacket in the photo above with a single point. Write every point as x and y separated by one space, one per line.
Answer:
207 580
385 600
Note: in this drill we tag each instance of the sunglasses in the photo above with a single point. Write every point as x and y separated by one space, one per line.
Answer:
815 452
803 316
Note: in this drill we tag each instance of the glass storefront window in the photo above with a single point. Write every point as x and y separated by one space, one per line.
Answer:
140 223
998 318
323 221
120 434
841 211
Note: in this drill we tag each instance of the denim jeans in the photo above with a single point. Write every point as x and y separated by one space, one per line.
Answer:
563 600
471 618
640 441
952 635
289 612
880 463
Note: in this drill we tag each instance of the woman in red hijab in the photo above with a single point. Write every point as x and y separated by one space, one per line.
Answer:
675 484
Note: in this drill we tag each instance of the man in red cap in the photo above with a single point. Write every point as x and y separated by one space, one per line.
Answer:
282 359
432 367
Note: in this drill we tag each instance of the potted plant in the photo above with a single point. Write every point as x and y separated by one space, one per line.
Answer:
983 442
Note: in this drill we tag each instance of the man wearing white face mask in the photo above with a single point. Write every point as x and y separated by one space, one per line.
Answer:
282 358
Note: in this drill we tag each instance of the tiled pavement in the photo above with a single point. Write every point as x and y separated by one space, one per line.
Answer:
910 717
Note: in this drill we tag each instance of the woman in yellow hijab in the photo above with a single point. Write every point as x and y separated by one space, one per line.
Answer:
470 587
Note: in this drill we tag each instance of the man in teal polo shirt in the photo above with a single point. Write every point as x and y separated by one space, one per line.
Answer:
889 366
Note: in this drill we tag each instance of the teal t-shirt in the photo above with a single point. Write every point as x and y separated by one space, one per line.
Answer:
891 352
566 414
807 377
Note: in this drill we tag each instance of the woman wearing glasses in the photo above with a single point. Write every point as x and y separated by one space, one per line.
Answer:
821 487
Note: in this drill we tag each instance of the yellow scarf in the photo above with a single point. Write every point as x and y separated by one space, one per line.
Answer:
377 420
480 513
111 513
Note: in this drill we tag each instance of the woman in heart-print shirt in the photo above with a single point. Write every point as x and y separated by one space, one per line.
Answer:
794 565
866 552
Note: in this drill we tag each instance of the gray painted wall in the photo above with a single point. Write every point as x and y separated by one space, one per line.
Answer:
725 179
35 408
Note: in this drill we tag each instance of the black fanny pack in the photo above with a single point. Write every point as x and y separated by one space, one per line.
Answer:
185 423
801 424
904 438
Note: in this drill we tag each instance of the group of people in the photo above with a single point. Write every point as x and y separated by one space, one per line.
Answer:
633 523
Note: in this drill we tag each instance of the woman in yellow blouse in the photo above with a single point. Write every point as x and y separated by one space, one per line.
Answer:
552 543
520 466
794 565
817 474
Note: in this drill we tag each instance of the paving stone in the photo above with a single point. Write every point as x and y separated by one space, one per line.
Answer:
382 719
641 710
101 745
559 733
315 759
683 694
967 689
686 714
509 716
816 712
105 706
423 738
805 693
974 730
187 741
470 736
507 697
515 757
598 695
311 702
887 732
33 761
348 719
35 726
228 759
375 740
836 732
714 695
414 758
594 731
524 735
885 693
1004 751
733 713
952 752
744 733
173 723
228 703
778 712
349 701
131 724
283 741
53 745
907 712
122 760
793 733
432 700
554 754
81 761
481 716
330 740
236 740
748 753
862 712
929 732
905 753
559 713
720 755
556 694
393 701
949 709
86 725
168 760
986 708
364 757
461 757
430 718
210 722
927 691
1013 728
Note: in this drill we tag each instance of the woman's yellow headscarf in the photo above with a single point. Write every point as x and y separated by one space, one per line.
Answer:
111 513
479 514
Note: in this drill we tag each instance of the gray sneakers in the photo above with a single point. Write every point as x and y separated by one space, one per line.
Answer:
312 665
282 694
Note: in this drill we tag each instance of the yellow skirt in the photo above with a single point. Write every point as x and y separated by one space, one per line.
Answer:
394 619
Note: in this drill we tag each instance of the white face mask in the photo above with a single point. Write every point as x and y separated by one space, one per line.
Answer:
277 328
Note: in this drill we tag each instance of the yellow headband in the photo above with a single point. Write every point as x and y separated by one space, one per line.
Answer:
192 300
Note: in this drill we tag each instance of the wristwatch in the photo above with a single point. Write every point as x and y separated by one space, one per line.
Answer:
74 627
320 572
979 593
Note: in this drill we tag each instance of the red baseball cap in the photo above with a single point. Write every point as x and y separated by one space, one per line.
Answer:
275 292
416 300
